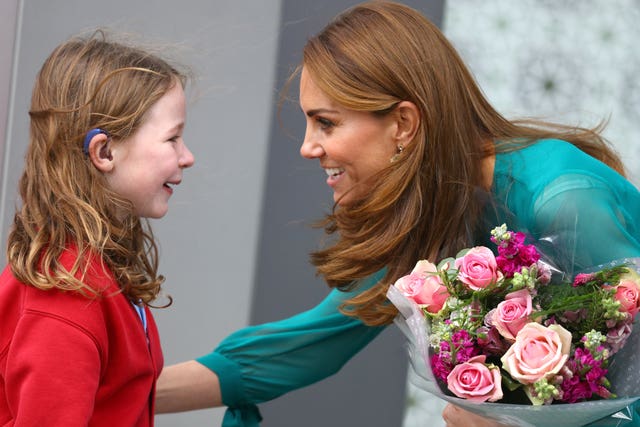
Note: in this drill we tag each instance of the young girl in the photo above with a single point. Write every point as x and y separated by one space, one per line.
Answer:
78 344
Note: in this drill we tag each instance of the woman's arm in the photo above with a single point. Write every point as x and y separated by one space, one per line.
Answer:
261 362
187 386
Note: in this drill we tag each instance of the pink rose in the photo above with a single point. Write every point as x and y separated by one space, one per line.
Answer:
475 381
539 352
628 293
478 268
424 286
512 314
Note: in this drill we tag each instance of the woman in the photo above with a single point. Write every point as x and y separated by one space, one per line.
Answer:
420 165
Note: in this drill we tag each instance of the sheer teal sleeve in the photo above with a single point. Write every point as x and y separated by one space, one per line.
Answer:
584 212
587 222
262 362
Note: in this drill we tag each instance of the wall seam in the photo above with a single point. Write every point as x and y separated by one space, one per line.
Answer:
10 115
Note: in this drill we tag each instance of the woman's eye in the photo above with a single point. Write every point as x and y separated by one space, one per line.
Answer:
325 123
174 139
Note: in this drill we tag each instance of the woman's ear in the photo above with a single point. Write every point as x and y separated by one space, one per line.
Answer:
407 118
99 152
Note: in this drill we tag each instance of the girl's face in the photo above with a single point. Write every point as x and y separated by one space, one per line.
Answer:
147 165
352 146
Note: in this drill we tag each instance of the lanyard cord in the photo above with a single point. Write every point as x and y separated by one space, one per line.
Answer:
142 314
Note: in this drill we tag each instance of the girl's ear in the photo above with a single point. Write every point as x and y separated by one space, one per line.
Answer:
99 152
407 118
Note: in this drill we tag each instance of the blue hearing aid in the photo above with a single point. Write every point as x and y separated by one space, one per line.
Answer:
89 137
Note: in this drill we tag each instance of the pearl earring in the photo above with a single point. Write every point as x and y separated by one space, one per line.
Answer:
399 151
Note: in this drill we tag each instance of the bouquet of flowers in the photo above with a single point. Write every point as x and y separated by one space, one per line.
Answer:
504 329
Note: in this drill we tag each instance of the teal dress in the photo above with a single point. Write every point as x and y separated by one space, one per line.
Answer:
585 214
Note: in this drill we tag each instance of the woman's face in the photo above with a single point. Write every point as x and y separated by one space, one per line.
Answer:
351 146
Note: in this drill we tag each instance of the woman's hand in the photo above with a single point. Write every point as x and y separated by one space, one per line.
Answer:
454 416
187 386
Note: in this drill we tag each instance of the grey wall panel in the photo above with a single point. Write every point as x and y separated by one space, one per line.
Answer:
8 21
370 389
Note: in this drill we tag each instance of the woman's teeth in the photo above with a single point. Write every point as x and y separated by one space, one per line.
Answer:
334 171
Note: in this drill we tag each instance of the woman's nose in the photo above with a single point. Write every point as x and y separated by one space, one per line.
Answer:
310 148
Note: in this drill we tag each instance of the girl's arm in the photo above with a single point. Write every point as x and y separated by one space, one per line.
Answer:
52 373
